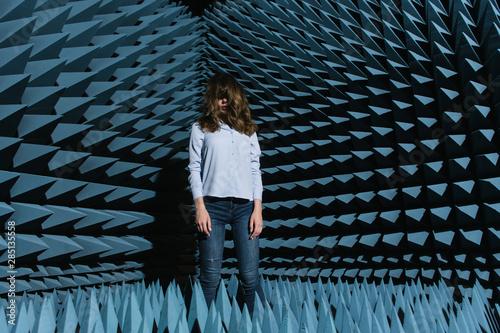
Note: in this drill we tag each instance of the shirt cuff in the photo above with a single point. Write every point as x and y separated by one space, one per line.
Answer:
257 196
196 193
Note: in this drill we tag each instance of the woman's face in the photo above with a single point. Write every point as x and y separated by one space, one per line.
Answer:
222 105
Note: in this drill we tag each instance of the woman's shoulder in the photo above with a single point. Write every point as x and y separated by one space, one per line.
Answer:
197 125
197 128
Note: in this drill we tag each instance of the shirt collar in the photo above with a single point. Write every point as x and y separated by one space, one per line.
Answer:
225 126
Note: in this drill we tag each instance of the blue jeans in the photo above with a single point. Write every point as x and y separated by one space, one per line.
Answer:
237 214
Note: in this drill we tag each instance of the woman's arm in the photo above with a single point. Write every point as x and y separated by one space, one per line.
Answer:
256 221
255 167
202 218
195 151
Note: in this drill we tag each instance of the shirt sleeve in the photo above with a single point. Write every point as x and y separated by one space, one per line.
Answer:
195 164
255 166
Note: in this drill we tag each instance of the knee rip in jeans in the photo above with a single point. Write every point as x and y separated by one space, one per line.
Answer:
212 260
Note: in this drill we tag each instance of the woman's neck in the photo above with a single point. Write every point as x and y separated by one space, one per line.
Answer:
225 119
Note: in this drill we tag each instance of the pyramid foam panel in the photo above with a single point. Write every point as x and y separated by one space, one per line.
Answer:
379 132
94 97
289 306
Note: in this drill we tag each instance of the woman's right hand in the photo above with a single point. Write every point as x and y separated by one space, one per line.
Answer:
202 218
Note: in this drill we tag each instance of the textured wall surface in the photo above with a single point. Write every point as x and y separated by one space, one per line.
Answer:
379 127
94 97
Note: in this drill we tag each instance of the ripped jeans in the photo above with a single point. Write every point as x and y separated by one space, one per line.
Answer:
236 213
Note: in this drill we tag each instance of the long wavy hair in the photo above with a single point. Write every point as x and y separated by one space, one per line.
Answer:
220 86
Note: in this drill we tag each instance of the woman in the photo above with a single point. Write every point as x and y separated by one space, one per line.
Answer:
226 184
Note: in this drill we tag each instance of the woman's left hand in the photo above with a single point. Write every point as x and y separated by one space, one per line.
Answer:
256 224
256 221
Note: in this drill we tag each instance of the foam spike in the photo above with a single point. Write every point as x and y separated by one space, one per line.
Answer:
44 71
198 310
156 303
289 322
235 319
90 246
147 311
132 316
307 319
478 303
171 310
471 238
29 154
181 325
46 318
3 319
223 304
269 323
93 193
28 187
61 216
26 245
396 325
117 246
245 321
22 320
214 323
58 246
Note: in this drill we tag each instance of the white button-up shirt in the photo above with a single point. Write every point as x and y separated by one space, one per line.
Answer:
224 164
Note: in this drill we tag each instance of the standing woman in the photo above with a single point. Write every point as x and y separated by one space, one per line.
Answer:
226 184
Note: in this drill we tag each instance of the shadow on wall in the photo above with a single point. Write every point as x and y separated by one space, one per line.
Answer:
173 255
